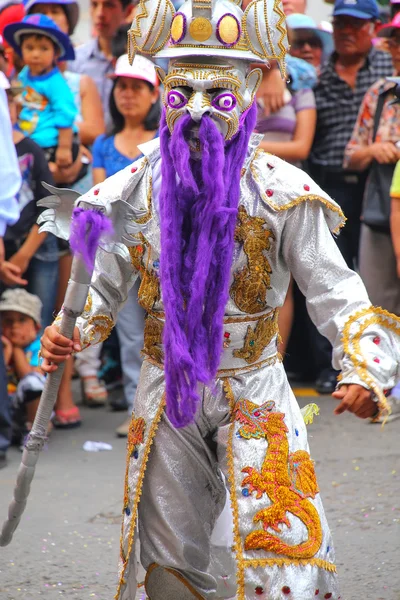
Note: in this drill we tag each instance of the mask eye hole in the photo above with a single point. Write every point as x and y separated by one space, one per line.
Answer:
175 99
225 101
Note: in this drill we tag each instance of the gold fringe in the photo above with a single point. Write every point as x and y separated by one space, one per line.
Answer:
283 562
138 493
379 317
299 199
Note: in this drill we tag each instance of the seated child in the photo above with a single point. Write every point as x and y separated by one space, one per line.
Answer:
20 317
48 107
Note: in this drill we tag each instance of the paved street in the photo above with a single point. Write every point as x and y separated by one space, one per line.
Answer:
67 543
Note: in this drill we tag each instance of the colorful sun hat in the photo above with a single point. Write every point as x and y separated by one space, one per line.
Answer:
42 25
386 31
300 22
70 6
141 68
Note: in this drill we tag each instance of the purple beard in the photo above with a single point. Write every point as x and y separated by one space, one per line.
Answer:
198 217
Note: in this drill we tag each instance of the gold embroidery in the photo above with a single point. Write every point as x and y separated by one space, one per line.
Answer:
149 291
237 545
250 284
287 479
352 346
135 438
101 326
138 493
153 329
88 306
258 339
148 215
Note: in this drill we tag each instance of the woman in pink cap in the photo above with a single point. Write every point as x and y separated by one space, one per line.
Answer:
135 113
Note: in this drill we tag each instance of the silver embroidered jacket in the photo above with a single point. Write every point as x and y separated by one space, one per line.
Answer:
284 227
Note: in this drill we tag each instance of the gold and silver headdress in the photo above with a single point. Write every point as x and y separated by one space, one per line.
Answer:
210 28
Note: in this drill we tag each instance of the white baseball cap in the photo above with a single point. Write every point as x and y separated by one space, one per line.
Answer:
141 68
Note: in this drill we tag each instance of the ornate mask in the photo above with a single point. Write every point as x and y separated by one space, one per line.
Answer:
221 87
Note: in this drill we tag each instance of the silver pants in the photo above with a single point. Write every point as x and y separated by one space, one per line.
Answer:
184 494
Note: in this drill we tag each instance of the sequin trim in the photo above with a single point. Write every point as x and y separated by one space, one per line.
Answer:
284 562
237 545
352 346
138 493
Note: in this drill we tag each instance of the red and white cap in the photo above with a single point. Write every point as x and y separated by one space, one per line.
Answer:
141 68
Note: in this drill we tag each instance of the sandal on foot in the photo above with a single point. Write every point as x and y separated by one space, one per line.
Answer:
94 392
67 419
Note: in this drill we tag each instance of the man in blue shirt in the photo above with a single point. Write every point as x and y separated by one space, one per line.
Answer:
9 212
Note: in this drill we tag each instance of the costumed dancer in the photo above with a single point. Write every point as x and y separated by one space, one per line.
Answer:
225 226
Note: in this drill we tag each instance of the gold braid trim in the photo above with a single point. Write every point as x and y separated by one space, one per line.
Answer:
299 199
237 545
352 346
283 562
138 493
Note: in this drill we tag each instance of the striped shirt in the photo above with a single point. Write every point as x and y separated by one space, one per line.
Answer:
338 105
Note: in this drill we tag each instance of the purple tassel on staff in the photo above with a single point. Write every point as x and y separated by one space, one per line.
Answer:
87 227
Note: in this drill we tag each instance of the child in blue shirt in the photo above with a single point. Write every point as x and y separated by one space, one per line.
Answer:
48 107
20 314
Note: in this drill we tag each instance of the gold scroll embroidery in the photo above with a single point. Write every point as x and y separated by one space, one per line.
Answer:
250 284
258 339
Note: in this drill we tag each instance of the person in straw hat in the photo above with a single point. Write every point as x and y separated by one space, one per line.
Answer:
223 225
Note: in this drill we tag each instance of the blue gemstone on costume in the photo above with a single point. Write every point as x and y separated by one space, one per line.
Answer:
245 492
135 454
251 343
296 432
238 435
327 549
127 511
156 264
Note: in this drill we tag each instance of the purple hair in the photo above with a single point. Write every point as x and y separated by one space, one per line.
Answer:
87 228
198 215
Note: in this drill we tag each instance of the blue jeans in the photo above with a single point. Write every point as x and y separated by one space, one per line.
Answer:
130 325
5 408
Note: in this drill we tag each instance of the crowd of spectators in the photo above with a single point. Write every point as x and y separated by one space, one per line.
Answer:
72 116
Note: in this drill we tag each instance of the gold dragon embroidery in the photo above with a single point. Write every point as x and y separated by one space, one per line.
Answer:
250 284
257 339
288 480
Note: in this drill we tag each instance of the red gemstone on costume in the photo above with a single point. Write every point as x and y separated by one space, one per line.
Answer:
317 592
227 335
306 187
140 249
270 166
376 359
286 589
328 595
377 340
257 413
269 193
259 590
96 192
134 169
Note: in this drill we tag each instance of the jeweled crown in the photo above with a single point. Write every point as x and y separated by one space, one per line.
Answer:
210 28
